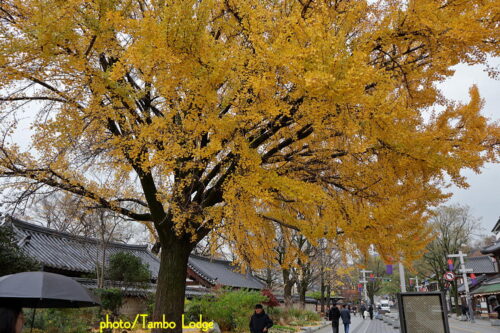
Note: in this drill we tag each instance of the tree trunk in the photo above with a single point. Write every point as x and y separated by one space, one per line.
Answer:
302 293
328 293
287 288
323 287
171 284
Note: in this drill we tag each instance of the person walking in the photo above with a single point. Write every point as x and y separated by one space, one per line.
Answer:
370 311
260 321
334 316
11 320
362 309
345 314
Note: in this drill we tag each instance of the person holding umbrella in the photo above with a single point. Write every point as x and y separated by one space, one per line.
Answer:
38 290
11 320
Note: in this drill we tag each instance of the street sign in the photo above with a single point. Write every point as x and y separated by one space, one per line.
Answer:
449 276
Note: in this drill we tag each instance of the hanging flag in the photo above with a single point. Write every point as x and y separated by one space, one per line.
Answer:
411 282
372 277
388 269
450 264
473 278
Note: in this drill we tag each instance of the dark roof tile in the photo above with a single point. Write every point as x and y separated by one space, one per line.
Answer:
480 265
68 252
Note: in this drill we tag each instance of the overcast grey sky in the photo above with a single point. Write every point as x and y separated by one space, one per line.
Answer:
483 195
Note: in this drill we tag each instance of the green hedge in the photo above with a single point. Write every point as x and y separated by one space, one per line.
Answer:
230 309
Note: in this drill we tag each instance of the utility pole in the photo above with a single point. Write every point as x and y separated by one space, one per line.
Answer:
402 278
364 282
417 286
464 272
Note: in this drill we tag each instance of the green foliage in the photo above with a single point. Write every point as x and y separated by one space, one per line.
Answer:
294 316
12 259
111 299
281 328
62 320
230 309
315 294
127 267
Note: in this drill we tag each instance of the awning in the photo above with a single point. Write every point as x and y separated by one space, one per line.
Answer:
488 289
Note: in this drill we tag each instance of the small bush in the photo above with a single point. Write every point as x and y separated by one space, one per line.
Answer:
230 309
111 299
272 300
61 320
126 267
294 316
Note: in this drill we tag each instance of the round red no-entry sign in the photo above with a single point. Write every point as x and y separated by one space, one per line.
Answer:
449 276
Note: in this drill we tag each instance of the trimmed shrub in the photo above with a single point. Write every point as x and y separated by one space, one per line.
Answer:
111 299
230 309
293 316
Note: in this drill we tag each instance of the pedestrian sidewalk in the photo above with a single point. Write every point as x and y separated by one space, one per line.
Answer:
479 326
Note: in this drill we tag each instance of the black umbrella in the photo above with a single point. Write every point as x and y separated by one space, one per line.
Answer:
43 290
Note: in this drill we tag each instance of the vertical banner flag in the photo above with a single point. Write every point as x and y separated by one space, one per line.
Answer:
411 282
360 287
450 264
388 269
473 278
372 277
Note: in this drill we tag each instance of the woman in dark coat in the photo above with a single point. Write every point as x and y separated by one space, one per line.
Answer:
260 321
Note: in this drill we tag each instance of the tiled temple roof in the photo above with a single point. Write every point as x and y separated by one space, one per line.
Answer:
78 254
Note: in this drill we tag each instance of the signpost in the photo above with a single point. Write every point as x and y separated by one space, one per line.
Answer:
464 272
449 276
364 282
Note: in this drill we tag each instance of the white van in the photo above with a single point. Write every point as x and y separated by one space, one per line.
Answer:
384 305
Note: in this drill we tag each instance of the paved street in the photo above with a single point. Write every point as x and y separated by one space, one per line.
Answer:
377 326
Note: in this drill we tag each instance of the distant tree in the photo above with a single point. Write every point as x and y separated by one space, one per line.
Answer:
128 268
453 227
12 258
375 282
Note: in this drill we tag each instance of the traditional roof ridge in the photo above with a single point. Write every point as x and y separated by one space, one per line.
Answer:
481 264
211 259
496 228
478 258
62 250
42 229
495 247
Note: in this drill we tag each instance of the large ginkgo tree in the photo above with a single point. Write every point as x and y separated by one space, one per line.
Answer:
229 118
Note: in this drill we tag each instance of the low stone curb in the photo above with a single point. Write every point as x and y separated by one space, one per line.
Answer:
313 328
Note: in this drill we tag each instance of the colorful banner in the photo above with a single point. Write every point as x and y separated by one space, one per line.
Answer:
450 264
